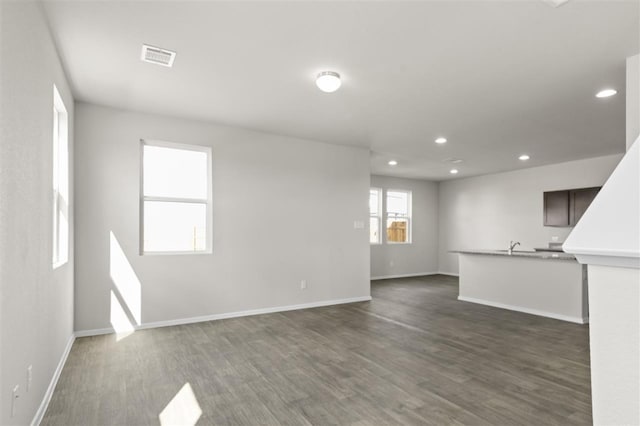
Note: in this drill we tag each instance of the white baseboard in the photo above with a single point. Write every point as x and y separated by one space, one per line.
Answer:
451 274
181 321
418 274
52 385
577 320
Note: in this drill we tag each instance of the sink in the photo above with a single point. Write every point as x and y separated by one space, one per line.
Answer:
517 251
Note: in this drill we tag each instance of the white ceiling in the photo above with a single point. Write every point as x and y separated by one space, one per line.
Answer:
497 78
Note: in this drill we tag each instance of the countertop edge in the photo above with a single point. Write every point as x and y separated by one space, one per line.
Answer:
520 254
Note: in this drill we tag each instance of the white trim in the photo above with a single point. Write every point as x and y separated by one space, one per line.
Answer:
561 317
54 381
451 274
418 274
605 260
177 253
175 200
181 321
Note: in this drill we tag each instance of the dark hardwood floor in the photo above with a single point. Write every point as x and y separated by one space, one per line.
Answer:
413 355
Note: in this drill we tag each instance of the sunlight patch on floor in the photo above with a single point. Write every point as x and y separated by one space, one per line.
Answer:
183 409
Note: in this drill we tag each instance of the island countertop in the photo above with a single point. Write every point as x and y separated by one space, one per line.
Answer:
520 253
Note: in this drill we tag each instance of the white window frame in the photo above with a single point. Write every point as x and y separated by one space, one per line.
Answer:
208 201
407 217
379 216
60 151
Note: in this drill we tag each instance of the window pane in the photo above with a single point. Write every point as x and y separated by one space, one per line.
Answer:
61 249
374 202
398 203
397 230
60 181
177 173
374 230
172 226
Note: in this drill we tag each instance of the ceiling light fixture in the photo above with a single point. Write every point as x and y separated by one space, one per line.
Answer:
606 93
393 163
523 157
328 81
441 140
453 171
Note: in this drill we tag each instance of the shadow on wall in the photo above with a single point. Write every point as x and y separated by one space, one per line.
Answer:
126 293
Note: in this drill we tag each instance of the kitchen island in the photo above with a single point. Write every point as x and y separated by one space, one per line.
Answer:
548 284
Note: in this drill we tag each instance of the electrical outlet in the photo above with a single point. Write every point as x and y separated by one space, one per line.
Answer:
391 264
554 238
29 377
358 224
14 397
303 284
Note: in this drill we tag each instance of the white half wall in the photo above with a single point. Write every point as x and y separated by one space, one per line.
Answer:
36 301
486 212
283 211
633 99
548 287
614 303
421 256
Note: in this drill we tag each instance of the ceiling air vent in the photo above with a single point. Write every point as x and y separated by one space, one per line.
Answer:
158 56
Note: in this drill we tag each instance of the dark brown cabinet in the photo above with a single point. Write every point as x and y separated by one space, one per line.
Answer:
565 208
556 208
580 200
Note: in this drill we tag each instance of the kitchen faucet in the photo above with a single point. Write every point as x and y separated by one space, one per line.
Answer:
512 245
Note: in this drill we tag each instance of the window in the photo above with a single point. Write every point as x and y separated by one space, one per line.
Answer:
60 181
176 198
375 212
398 216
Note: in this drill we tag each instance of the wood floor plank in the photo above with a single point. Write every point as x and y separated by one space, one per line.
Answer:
413 355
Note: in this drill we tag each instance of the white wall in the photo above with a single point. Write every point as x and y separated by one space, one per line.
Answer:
614 305
284 211
36 302
486 212
633 99
421 256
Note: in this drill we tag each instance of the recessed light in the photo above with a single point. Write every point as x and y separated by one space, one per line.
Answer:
441 140
393 163
328 81
453 171
523 157
606 93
